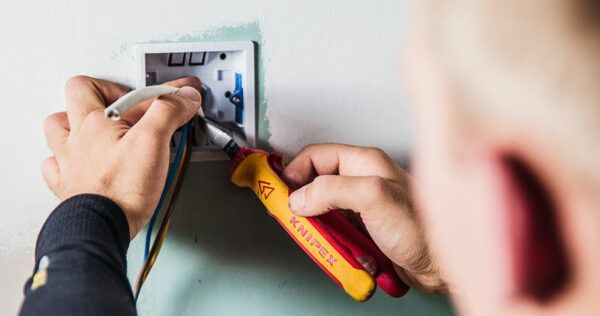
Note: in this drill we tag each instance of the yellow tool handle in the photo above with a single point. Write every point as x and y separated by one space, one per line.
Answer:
255 172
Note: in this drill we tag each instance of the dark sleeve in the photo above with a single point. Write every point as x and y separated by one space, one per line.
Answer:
80 263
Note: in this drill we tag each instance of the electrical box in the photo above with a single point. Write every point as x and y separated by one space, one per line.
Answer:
227 72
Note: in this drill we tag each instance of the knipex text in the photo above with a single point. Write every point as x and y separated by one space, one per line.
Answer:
313 242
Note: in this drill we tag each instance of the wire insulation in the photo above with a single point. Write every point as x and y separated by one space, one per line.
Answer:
166 189
171 197
134 97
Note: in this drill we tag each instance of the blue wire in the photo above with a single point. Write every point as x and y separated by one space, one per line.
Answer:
167 187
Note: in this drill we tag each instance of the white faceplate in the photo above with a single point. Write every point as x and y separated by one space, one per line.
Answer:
218 65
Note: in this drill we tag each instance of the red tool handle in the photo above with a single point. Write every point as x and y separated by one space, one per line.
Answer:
352 242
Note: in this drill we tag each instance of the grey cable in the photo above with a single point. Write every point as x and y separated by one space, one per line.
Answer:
126 102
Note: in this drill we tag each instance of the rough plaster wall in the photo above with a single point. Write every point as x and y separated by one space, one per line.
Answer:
330 75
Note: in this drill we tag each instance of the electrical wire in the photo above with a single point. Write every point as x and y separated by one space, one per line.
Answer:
162 232
166 189
174 175
171 197
129 100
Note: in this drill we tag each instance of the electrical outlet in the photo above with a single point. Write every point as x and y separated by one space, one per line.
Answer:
227 71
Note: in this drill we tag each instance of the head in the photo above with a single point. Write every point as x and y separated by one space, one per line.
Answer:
507 96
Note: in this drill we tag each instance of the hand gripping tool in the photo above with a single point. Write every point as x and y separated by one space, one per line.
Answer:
330 240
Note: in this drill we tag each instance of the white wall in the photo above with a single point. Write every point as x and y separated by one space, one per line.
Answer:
330 75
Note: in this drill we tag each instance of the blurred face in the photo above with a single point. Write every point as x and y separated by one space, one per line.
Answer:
443 185
470 200
450 195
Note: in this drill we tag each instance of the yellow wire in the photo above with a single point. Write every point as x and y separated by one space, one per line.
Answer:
156 246
163 230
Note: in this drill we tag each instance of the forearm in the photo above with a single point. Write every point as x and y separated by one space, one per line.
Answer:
83 271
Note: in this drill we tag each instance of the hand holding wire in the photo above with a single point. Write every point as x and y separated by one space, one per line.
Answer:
126 160
174 176
134 97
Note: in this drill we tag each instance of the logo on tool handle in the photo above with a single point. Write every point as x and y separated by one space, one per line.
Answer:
265 189
312 240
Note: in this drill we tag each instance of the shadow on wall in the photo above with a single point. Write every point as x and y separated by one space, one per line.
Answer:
226 256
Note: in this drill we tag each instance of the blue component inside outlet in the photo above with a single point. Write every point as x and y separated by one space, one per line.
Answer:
237 99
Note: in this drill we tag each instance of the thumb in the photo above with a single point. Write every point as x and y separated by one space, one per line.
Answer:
328 192
167 113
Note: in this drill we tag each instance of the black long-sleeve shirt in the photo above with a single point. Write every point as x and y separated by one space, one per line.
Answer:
80 263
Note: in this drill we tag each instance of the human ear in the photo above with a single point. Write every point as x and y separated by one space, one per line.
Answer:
529 227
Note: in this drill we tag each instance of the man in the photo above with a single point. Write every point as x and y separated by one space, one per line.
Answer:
506 169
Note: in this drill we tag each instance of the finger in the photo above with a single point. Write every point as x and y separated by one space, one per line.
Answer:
85 95
368 263
342 192
331 159
51 173
56 129
384 206
135 114
168 113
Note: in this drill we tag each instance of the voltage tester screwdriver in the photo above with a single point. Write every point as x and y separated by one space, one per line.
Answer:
331 240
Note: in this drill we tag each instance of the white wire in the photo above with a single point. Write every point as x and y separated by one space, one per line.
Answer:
126 102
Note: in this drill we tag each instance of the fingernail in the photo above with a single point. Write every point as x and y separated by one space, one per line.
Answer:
290 177
189 93
368 263
297 201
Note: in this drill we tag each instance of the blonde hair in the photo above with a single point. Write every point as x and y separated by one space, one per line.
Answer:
533 65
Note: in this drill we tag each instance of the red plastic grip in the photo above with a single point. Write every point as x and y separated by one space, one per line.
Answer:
351 242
